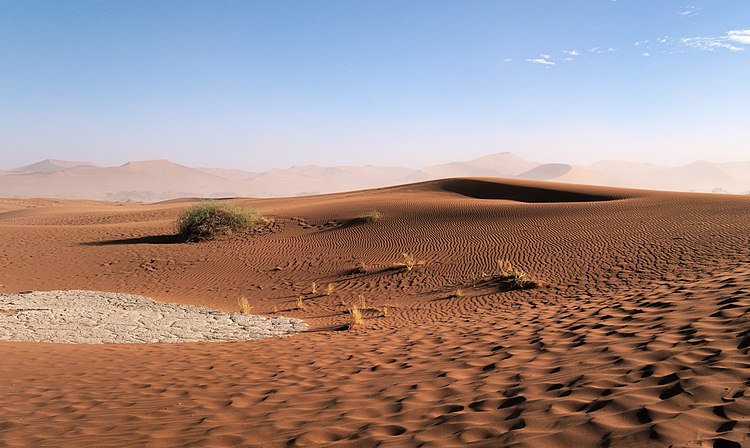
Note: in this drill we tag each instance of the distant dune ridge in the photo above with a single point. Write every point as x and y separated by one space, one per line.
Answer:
157 180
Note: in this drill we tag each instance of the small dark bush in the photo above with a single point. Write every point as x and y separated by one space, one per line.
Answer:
209 219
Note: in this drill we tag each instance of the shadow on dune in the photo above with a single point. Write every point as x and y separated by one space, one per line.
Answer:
481 189
155 239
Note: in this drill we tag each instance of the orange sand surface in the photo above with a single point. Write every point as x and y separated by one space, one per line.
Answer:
639 335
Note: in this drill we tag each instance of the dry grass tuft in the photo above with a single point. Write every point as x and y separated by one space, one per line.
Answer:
314 288
356 317
300 303
458 293
245 307
371 216
515 278
275 309
385 310
361 268
409 262
329 289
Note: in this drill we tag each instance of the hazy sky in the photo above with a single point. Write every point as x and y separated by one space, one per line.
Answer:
262 84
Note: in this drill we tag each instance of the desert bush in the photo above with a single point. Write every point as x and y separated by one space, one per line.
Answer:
409 262
371 216
512 278
208 219
361 268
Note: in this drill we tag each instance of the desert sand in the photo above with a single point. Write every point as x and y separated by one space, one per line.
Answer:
639 335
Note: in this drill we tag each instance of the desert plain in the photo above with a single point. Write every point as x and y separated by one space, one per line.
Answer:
637 336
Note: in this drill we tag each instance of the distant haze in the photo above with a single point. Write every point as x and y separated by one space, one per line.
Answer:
156 180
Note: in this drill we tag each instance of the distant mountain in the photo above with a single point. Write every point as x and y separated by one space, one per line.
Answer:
147 181
504 164
230 174
52 166
315 179
155 180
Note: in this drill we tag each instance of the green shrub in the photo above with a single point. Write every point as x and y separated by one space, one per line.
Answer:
208 219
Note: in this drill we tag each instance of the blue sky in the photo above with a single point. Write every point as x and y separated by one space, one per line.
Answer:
255 85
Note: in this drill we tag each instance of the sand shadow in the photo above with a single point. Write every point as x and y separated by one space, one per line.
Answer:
154 239
482 189
345 224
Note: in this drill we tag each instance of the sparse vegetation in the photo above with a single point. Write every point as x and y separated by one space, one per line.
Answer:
513 278
385 310
275 309
458 293
329 289
409 262
361 268
371 216
314 288
356 317
300 303
209 219
245 307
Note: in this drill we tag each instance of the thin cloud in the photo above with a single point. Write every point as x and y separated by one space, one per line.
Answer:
729 41
572 53
690 11
542 60
739 36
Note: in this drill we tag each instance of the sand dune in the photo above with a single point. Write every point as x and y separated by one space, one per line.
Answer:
639 336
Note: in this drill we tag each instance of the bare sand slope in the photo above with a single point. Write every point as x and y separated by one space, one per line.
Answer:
640 336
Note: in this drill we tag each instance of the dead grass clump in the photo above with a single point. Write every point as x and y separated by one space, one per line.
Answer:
300 303
314 288
245 307
356 317
409 262
329 289
361 268
458 293
209 219
371 216
512 278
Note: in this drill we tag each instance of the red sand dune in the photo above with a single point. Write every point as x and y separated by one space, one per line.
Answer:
639 336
